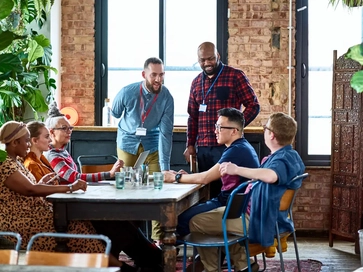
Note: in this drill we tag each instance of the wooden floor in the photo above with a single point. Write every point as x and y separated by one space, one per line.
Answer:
340 258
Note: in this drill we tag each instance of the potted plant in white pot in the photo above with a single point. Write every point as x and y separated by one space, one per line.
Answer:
25 58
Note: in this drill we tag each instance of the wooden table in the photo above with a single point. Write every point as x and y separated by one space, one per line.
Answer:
46 268
145 203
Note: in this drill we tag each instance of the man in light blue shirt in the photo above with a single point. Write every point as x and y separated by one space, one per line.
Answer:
146 109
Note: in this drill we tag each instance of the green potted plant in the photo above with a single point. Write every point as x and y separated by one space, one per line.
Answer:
25 58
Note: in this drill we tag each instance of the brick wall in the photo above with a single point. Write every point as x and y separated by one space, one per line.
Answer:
258 44
78 46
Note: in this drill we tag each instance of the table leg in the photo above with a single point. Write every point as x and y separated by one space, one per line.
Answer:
169 250
60 225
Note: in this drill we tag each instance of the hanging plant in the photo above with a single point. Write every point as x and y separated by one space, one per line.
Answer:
348 3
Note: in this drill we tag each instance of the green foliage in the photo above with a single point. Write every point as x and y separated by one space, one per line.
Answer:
347 3
356 53
25 58
3 154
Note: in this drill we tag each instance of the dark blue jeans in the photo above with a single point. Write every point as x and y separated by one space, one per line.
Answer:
184 218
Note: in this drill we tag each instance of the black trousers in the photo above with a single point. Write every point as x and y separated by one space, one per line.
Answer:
207 157
126 236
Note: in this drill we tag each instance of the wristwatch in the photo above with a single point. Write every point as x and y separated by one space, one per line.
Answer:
70 188
177 178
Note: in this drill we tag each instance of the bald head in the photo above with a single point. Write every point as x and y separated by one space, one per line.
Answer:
208 58
207 46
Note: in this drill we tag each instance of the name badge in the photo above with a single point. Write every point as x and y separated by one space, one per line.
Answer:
203 107
141 131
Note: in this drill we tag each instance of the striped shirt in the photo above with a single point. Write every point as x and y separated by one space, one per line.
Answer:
63 164
231 90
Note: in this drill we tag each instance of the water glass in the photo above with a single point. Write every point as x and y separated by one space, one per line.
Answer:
158 180
137 176
120 180
145 174
129 177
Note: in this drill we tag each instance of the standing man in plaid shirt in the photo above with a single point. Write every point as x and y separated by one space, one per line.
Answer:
218 86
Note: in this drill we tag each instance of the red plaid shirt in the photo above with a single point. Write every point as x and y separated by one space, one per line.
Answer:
231 90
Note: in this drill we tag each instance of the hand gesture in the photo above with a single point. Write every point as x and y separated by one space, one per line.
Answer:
79 185
228 168
190 150
49 179
116 167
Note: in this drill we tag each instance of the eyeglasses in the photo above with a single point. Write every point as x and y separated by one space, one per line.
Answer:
219 127
266 127
64 128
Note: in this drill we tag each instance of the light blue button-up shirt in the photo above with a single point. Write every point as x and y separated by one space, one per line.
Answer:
159 122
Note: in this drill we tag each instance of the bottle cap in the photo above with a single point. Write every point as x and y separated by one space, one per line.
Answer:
107 100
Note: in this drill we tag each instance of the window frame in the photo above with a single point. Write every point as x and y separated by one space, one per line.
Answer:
302 87
101 52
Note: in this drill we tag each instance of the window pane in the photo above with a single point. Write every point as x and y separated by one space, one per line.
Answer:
182 40
326 33
133 36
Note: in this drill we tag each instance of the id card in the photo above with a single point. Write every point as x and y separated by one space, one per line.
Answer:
141 131
203 107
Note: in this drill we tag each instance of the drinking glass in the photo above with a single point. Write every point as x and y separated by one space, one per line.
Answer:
129 177
158 180
120 180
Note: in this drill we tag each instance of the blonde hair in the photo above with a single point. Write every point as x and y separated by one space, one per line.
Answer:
11 131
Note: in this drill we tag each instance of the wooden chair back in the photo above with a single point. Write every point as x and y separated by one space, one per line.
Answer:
96 168
96 260
104 163
10 256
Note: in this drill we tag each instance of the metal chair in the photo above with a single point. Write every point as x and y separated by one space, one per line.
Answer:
96 260
235 208
10 256
286 204
104 163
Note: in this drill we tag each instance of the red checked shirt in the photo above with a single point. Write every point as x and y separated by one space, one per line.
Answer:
231 90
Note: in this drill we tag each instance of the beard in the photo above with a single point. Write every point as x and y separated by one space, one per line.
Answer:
151 88
210 70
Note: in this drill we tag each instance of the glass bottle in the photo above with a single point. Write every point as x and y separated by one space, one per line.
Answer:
106 114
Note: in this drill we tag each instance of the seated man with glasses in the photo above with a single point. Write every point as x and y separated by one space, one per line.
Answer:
229 131
60 160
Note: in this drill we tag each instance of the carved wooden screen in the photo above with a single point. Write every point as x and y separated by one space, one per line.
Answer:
347 153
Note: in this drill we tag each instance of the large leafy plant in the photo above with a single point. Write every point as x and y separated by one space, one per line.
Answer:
356 53
25 58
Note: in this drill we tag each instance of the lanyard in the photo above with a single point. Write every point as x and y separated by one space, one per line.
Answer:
211 86
144 113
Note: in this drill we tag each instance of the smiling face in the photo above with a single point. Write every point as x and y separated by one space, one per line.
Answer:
208 59
154 77
61 133
22 145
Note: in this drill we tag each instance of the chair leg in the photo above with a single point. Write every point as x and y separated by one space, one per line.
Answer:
280 253
296 252
185 258
219 259
194 253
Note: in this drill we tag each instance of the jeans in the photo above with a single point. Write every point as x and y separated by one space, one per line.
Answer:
184 218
